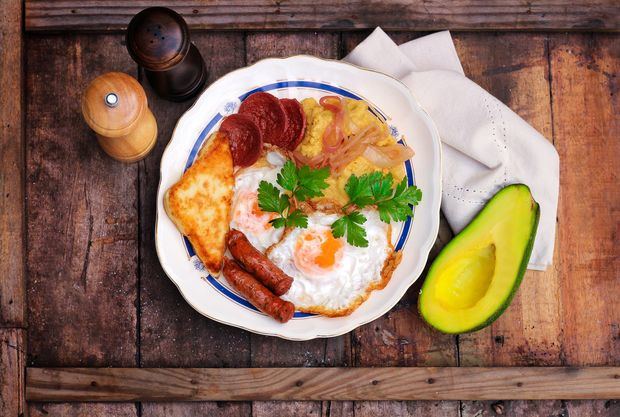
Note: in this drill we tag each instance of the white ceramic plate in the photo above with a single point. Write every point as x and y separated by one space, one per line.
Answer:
300 77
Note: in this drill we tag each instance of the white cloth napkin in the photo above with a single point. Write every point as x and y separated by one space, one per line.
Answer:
485 144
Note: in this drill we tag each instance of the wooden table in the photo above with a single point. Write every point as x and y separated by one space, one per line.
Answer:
80 283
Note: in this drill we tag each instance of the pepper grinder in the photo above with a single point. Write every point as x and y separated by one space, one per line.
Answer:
158 40
114 105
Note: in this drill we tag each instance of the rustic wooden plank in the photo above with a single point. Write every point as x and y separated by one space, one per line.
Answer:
273 44
12 268
514 408
269 351
82 219
586 127
335 15
82 410
238 384
191 409
170 328
12 372
601 408
514 68
401 338
561 408
82 213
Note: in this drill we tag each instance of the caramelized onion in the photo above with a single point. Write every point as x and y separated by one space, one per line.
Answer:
346 158
331 103
339 150
388 156
334 134
314 162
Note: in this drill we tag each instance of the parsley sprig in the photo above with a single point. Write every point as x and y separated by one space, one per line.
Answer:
299 184
374 189
351 225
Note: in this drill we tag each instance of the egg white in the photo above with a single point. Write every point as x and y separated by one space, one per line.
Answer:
341 288
260 235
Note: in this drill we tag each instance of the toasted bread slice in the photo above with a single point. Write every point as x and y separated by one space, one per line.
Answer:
199 204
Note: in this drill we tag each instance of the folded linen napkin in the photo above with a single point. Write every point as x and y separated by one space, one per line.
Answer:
485 144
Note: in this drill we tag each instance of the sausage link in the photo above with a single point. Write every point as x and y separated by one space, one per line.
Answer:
258 264
256 293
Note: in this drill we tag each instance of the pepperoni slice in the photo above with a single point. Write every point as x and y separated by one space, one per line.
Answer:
244 138
294 134
268 114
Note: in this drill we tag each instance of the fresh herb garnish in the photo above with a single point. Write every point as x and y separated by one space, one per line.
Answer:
374 189
299 184
304 182
351 225
270 199
399 206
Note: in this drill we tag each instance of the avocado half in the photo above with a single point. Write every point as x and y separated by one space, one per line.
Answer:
475 276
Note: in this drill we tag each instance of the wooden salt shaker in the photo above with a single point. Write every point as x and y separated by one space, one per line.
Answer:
158 40
114 105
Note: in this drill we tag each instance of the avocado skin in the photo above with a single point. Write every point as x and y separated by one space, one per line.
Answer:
520 273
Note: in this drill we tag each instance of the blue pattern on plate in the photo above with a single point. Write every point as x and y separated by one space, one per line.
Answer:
198 265
230 107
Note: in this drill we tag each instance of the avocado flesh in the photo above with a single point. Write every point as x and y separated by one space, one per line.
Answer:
475 276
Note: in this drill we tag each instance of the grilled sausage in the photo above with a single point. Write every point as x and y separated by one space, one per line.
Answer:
257 263
256 293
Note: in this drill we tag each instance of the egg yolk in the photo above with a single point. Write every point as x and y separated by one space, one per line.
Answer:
256 211
248 214
316 252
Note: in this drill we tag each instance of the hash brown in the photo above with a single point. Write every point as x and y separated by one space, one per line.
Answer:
199 204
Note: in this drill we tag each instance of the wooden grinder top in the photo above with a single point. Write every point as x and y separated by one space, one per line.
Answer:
158 38
113 104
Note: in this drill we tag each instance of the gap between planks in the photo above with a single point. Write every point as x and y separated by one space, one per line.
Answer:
242 384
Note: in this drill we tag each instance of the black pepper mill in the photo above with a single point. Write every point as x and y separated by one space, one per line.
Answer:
158 40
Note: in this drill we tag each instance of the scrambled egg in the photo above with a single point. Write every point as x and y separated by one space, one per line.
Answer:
317 120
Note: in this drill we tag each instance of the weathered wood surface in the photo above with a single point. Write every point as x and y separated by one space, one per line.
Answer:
559 408
381 383
82 213
172 333
565 316
82 216
12 370
82 410
335 15
169 327
515 69
586 127
540 328
12 264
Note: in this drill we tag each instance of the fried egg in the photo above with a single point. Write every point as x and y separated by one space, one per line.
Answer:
330 276
246 215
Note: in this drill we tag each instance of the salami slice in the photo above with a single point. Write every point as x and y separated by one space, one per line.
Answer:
244 138
268 114
294 133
